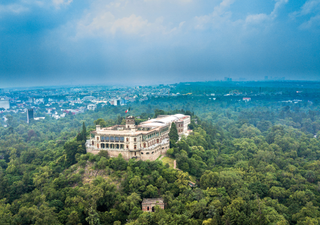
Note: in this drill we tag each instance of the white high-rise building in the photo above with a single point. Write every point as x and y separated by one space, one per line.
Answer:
5 104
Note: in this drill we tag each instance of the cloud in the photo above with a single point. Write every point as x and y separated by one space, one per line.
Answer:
13 8
311 10
218 17
106 24
257 18
59 3
222 16
180 1
262 17
130 25
312 22
126 41
30 5
310 7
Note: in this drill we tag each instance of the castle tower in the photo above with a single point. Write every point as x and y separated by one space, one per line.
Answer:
130 123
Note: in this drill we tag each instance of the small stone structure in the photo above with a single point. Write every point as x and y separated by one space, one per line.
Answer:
148 204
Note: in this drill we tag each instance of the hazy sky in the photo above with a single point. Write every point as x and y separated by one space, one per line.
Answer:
50 42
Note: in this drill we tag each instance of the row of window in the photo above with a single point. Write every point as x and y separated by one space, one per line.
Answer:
147 153
153 151
111 139
146 137
112 146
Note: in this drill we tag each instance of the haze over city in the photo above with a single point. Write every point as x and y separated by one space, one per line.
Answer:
66 42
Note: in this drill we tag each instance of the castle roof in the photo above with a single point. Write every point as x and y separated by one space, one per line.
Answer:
152 200
144 127
163 120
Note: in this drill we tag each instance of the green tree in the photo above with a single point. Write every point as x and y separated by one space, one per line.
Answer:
158 112
5 213
84 132
93 217
209 179
71 149
73 218
173 135
100 122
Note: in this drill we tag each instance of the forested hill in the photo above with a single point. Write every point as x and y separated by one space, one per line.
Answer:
253 162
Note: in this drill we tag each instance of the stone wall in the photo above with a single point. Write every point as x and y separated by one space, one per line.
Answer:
126 154
114 153
150 205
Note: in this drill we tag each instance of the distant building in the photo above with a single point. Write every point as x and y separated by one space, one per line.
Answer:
146 141
39 118
5 104
91 106
148 204
192 184
246 99
89 98
29 115
115 102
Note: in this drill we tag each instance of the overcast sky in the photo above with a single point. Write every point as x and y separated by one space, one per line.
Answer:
52 42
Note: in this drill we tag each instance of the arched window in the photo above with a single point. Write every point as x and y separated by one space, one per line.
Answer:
152 209
148 208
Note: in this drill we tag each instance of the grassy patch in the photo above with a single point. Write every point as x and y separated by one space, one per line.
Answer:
168 160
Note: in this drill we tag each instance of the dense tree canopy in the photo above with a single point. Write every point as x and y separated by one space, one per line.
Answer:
253 163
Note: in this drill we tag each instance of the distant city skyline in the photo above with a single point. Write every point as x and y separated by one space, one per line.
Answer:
144 42
143 83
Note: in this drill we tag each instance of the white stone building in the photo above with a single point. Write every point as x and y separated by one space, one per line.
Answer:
146 141
91 106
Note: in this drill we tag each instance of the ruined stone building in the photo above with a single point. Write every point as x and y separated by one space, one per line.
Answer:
148 204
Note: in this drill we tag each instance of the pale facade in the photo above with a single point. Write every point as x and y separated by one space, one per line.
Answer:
5 104
148 204
146 141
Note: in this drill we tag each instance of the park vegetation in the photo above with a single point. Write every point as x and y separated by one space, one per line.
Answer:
253 163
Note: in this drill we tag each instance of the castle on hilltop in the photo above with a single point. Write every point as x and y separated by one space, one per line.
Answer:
146 141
